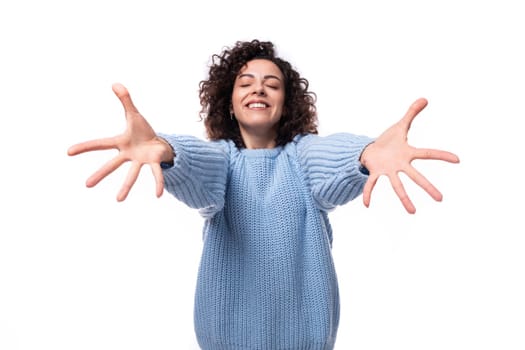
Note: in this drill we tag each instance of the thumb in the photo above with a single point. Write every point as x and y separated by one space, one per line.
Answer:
124 97
414 109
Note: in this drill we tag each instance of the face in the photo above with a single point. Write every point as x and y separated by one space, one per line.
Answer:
258 99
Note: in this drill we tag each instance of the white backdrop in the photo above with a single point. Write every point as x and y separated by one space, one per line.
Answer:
80 271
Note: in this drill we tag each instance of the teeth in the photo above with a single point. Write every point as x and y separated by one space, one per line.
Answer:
257 105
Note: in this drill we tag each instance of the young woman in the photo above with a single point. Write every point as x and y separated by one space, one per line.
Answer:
264 183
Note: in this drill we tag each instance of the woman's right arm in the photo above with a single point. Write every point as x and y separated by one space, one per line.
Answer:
199 171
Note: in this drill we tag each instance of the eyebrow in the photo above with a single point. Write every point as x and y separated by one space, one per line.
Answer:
269 76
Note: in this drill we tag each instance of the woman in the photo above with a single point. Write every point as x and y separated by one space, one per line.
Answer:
264 183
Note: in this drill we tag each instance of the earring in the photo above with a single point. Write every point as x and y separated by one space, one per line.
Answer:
232 116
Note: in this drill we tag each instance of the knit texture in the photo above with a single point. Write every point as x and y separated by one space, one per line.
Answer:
266 278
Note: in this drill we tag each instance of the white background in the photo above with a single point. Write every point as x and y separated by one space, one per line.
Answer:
80 271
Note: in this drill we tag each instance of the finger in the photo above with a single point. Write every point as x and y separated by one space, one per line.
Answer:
159 179
399 189
426 153
131 178
93 145
367 189
414 110
124 97
422 182
106 169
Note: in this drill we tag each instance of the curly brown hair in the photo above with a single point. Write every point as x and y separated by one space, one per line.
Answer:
299 111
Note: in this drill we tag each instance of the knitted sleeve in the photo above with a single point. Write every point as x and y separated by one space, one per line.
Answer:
332 168
199 172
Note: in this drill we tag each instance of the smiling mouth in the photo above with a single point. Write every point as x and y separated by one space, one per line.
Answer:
257 105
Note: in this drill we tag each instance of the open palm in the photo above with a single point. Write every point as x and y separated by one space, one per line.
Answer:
391 154
139 145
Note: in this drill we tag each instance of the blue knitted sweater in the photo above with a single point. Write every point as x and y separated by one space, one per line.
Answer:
266 278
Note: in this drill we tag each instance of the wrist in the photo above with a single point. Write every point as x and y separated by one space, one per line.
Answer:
362 160
168 153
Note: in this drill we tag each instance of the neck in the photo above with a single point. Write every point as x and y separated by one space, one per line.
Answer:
258 141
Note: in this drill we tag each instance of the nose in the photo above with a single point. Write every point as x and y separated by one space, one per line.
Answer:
259 90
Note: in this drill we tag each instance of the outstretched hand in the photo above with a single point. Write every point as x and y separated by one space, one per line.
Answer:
139 144
391 154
